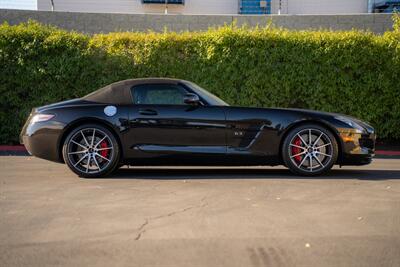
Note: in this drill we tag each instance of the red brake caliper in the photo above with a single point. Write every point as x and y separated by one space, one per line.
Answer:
104 153
296 150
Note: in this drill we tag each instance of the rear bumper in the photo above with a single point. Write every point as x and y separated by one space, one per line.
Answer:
42 139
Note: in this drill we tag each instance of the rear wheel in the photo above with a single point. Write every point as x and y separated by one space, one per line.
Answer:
91 151
310 150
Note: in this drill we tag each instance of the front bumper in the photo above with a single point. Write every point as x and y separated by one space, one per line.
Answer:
42 139
357 148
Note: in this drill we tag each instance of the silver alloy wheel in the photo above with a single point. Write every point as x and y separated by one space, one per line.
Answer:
310 150
90 150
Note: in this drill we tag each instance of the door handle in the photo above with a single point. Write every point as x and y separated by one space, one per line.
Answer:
148 112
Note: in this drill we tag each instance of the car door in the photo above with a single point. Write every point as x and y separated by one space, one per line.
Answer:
162 125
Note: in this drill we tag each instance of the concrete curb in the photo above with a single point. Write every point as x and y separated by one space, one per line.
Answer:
13 148
387 153
20 150
13 151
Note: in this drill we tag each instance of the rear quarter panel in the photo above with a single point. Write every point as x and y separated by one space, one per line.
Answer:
51 137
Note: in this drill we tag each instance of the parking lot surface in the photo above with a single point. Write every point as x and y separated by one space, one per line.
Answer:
198 216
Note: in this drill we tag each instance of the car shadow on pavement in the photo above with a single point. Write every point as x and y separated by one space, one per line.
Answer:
245 173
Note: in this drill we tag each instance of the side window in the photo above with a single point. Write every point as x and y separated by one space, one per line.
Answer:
158 94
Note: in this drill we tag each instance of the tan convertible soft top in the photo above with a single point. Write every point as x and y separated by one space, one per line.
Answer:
119 93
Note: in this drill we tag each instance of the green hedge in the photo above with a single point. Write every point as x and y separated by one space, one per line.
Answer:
352 72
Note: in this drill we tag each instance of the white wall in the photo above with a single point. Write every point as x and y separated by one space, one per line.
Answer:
205 6
136 6
321 7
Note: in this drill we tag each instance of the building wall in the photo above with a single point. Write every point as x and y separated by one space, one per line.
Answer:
103 23
136 6
206 6
320 6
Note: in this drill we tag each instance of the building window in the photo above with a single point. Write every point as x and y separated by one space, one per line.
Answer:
171 2
255 7
382 6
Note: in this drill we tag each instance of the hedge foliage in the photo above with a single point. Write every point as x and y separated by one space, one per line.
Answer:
352 72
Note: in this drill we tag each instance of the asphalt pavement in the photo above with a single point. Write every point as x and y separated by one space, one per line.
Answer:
199 216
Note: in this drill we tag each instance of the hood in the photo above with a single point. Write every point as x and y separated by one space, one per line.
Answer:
315 112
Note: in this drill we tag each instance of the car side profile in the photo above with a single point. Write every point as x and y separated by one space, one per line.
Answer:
160 121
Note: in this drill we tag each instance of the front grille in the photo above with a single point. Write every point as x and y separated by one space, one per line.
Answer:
366 141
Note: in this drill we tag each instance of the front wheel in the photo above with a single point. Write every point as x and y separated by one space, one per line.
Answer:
91 151
309 150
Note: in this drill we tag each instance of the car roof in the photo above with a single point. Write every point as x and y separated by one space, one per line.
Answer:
119 93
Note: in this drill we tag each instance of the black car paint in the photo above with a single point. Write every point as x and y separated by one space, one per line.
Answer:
191 135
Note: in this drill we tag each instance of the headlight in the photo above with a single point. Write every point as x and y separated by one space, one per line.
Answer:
351 123
41 117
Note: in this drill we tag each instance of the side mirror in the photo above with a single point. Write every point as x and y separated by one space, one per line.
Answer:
191 99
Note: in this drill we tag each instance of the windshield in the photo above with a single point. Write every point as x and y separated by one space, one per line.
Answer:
207 96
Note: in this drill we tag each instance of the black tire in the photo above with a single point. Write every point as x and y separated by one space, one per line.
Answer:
309 156
78 149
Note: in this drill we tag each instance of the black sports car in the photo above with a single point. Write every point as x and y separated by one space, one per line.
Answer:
175 122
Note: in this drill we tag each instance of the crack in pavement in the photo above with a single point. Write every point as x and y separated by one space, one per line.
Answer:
142 228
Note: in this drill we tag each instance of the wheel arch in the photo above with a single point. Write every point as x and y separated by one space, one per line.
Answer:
317 122
72 125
